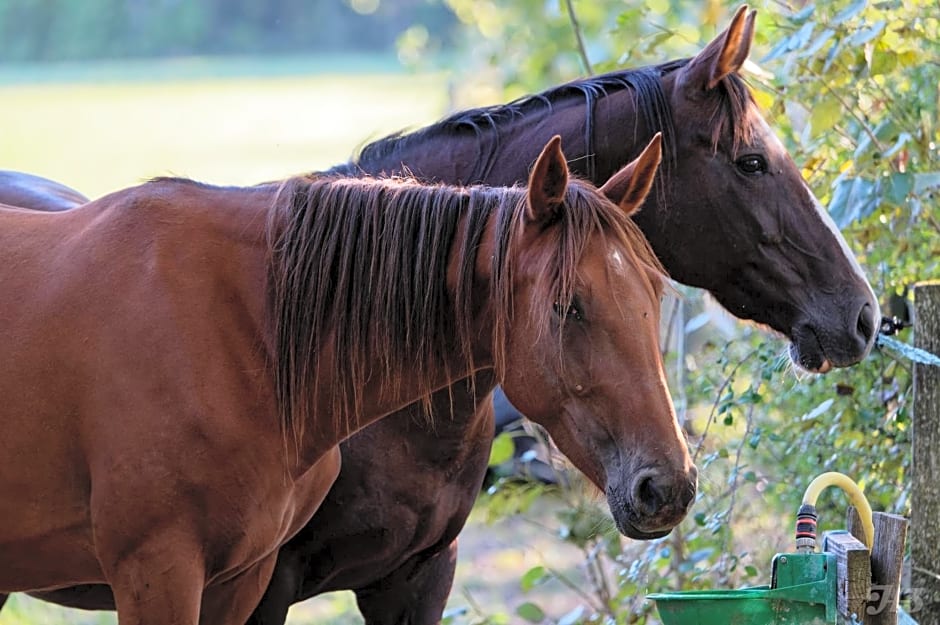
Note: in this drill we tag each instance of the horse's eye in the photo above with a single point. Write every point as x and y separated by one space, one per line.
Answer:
752 164
572 311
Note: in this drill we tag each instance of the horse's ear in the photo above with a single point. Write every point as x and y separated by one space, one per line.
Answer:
629 187
725 54
547 182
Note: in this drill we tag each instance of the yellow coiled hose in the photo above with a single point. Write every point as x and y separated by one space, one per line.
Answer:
806 518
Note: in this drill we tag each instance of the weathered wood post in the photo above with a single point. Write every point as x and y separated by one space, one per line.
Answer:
887 559
925 487
853 571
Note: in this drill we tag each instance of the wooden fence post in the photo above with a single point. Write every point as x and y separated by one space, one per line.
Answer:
925 487
887 558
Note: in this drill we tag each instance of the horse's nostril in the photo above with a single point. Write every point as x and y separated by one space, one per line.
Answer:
648 497
866 322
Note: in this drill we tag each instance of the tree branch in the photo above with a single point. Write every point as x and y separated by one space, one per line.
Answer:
576 27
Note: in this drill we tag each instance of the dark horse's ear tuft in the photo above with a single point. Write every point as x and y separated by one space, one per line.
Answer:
725 54
629 187
547 183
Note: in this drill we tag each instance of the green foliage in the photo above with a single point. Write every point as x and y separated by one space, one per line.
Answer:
531 44
502 449
530 612
852 88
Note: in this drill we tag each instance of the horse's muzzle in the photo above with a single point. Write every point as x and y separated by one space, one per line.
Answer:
655 502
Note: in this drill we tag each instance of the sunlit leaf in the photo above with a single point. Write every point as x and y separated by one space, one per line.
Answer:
804 13
864 35
832 55
849 12
452 613
883 61
908 58
901 141
754 441
818 42
502 449
825 114
531 612
796 41
699 555
532 577
853 199
926 181
818 410
900 184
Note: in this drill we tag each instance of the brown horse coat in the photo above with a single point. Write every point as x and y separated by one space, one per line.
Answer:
154 463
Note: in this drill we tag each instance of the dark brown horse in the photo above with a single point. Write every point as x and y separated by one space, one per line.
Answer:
28 191
730 196
212 346
732 213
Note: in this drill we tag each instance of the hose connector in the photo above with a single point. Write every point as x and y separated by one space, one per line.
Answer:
806 528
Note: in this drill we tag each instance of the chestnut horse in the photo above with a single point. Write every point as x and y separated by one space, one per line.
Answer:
731 214
212 346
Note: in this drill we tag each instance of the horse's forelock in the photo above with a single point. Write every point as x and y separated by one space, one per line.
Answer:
587 213
735 98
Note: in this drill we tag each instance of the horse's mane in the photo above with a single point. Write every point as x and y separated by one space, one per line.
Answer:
651 103
358 276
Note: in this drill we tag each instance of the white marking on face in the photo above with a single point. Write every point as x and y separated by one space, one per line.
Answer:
827 219
770 138
617 261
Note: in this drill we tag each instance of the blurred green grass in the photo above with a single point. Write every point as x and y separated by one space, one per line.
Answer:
99 128
332 609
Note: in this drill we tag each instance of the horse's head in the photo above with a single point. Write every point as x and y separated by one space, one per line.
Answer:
584 346
749 229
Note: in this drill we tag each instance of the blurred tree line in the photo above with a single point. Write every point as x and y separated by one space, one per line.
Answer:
55 30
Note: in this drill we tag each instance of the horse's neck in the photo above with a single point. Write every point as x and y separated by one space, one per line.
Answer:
382 395
619 135
382 398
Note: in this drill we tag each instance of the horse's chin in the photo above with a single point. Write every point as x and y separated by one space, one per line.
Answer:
631 531
628 526
809 356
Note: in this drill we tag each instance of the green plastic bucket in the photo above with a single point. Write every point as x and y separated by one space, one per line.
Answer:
803 592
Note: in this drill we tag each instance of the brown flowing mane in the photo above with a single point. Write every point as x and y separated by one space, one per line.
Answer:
360 265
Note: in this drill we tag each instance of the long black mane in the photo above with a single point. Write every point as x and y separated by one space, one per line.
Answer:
488 123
